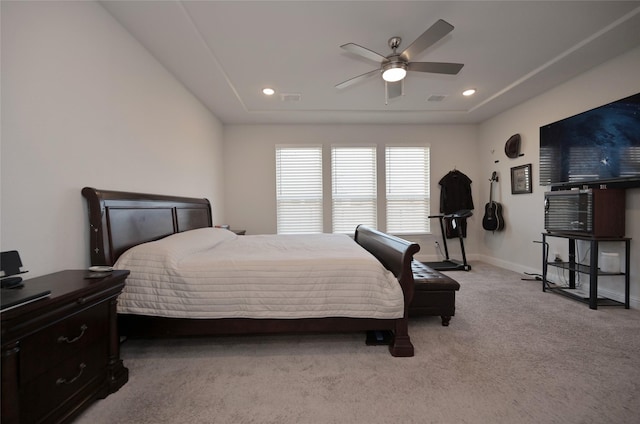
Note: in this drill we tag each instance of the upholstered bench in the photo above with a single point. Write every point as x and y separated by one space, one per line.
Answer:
434 294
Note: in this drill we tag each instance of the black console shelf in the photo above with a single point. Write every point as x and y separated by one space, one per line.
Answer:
573 267
584 269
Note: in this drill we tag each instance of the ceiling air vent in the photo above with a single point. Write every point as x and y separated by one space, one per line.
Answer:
290 97
436 97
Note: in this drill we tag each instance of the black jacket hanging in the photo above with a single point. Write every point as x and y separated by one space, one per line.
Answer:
455 194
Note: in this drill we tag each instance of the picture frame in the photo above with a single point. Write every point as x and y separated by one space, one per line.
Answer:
521 179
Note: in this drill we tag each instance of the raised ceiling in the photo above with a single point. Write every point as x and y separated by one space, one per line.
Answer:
226 52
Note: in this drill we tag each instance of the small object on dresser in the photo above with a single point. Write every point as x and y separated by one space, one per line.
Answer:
101 268
10 266
98 271
11 283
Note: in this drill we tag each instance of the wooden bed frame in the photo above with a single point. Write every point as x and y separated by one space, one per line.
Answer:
121 220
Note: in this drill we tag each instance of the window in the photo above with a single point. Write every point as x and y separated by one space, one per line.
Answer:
299 189
354 188
404 192
408 193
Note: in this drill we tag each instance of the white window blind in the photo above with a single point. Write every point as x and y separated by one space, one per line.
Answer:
408 192
354 188
299 189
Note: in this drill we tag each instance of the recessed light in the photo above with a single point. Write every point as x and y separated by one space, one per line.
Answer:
469 92
268 91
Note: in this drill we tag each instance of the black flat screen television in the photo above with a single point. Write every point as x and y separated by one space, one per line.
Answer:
599 146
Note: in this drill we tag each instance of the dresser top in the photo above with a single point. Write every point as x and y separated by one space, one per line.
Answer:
66 287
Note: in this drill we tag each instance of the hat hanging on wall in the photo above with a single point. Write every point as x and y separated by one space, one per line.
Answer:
512 147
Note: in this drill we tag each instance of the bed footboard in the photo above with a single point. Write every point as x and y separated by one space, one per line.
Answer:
396 255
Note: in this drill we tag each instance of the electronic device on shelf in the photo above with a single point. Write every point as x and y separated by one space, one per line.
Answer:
10 267
590 212
14 293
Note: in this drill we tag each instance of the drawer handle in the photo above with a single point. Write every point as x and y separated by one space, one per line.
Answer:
61 380
63 339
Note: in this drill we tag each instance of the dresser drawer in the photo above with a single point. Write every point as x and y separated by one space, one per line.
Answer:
54 344
57 385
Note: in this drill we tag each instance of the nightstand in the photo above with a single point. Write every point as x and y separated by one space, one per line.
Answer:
61 353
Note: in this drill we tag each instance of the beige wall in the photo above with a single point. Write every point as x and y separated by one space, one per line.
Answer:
250 166
83 104
524 214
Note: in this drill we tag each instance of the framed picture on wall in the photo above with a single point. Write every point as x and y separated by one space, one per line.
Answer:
521 179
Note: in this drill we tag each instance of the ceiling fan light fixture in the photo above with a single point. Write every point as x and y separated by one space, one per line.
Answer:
394 71
395 66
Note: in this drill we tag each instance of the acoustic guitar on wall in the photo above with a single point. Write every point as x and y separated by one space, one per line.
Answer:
492 220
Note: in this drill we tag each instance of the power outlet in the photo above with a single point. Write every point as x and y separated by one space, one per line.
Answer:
557 257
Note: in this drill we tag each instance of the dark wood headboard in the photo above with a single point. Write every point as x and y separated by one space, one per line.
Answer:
120 220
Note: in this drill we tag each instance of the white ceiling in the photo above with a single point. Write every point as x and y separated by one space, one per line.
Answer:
225 52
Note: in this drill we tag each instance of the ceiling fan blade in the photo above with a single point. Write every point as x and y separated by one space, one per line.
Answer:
364 52
436 67
394 89
428 38
357 79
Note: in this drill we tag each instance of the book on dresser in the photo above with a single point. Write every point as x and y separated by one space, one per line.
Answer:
13 298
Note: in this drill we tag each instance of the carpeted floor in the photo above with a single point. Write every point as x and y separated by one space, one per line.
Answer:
512 354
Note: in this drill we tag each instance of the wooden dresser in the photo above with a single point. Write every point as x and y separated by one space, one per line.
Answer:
61 353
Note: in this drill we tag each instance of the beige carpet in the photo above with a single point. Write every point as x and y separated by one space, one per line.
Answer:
512 354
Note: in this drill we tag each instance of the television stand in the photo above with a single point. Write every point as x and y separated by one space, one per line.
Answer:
572 291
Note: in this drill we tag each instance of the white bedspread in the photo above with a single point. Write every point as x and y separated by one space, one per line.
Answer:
212 273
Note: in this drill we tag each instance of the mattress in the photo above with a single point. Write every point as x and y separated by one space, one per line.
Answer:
213 273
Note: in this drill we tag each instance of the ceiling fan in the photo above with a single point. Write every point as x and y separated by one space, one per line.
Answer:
395 66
